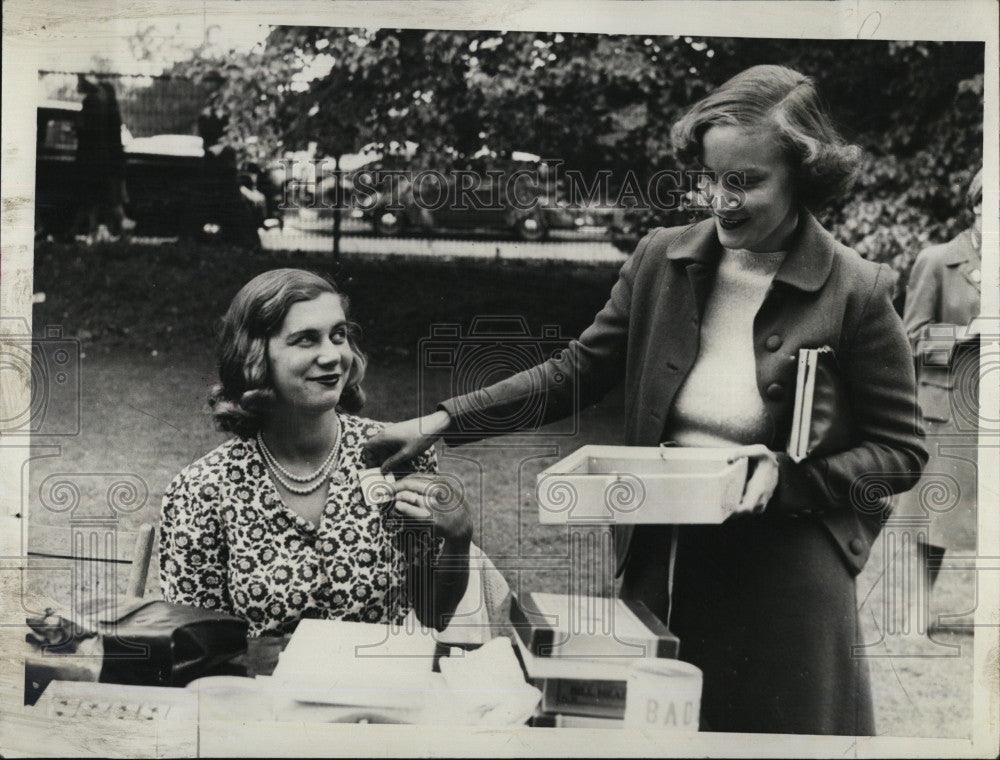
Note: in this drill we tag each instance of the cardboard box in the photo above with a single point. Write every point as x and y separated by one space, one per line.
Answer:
641 484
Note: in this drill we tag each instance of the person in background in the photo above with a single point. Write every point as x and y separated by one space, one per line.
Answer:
704 327
93 156
942 300
116 192
273 525
100 162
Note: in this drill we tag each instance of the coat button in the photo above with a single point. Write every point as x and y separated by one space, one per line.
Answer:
773 343
856 546
775 391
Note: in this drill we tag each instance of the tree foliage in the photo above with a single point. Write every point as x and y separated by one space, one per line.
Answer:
607 102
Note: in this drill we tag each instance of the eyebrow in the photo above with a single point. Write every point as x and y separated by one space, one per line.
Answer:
753 169
745 170
313 330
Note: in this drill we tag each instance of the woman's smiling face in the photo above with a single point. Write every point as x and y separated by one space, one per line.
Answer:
764 218
309 357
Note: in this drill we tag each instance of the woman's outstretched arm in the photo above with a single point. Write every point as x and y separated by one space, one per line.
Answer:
572 379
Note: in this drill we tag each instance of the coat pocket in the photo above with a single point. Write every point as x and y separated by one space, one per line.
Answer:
934 393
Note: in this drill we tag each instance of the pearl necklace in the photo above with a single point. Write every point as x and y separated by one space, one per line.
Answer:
287 479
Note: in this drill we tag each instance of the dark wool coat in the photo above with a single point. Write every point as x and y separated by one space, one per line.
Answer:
942 297
824 294
943 294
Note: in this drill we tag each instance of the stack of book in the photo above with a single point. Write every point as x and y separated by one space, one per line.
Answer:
578 651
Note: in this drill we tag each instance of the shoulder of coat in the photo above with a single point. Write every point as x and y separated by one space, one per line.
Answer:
855 266
662 239
943 254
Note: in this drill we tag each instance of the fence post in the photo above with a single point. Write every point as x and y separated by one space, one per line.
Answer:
337 207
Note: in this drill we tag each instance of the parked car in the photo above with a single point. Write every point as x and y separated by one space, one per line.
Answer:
174 186
507 203
636 222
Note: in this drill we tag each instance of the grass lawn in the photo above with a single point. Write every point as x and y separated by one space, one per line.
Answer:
145 319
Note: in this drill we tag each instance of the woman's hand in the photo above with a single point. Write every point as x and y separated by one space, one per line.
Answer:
436 590
763 477
435 499
397 444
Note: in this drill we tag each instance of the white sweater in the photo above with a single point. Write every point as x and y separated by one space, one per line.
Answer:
719 403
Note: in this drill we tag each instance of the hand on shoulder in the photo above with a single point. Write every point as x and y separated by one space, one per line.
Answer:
400 442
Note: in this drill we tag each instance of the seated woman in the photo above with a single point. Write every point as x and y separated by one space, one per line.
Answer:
273 525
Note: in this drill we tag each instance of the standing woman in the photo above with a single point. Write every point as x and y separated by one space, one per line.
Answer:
116 193
704 326
942 299
273 525
94 156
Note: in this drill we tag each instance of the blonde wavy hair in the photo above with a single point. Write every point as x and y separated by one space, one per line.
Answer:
782 99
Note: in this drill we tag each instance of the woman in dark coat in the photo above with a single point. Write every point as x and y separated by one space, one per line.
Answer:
704 326
942 302
100 160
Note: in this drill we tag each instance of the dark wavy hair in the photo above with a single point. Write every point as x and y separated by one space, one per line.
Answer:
245 390
781 98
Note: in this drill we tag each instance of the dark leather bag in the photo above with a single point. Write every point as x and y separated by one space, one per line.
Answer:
162 644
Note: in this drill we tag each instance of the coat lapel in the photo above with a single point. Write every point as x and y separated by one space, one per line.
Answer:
699 252
670 354
961 255
810 256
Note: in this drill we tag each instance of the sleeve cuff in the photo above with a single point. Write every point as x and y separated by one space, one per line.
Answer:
798 489
456 433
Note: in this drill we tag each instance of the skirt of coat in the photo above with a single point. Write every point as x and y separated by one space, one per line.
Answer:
947 492
765 606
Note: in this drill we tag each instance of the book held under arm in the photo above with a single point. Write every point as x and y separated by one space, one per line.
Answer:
822 422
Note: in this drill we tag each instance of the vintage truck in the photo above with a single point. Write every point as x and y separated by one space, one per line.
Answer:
174 186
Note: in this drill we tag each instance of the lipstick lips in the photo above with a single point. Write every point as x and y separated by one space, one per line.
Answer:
331 379
732 224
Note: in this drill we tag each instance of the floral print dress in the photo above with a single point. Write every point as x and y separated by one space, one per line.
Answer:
229 543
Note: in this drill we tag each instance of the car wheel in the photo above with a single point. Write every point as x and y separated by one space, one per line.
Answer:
530 228
388 223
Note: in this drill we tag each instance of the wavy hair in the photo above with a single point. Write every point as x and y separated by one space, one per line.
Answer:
781 98
246 390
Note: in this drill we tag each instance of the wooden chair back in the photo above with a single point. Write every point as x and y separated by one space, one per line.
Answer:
79 564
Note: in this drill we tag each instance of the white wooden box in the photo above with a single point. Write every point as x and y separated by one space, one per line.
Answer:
641 484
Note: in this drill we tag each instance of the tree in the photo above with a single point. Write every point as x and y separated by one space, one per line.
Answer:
606 102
